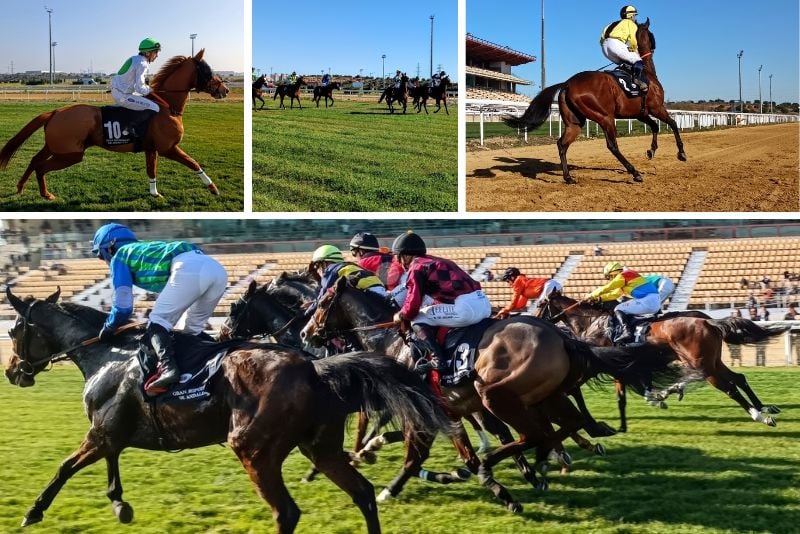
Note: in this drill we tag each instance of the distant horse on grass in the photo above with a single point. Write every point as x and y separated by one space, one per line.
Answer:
326 91
597 96
70 130
258 91
396 94
267 399
292 91
438 93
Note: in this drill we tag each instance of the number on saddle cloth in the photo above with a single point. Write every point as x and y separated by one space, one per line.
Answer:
623 74
122 126
461 348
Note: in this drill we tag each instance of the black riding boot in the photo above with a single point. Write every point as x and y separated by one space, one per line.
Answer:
638 67
425 337
626 332
161 341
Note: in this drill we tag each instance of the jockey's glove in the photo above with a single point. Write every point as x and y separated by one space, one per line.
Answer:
106 335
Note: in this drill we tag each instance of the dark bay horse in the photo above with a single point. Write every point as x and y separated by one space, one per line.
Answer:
523 370
396 94
258 91
326 91
268 399
290 90
438 93
694 340
70 130
597 96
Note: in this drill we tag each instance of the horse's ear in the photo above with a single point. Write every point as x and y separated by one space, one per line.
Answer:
15 301
341 283
251 289
647 23
199 55
52 299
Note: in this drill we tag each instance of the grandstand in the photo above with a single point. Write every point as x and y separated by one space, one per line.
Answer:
488 71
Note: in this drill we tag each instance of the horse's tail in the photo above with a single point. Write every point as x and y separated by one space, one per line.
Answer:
739 331
374 382
538 111
13 145
381 98
275 94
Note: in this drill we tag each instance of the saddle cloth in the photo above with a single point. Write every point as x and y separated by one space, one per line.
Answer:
624 77
460 345
117 125
640 324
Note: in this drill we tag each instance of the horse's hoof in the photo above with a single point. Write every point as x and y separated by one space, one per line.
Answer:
682 156
368 457
662 405
384 496
638 178
515 507
601 430
769 421
32 517
771 409
123 511
599 450
650 154
543 485
461 474
213 189
156 195
622 429
564 458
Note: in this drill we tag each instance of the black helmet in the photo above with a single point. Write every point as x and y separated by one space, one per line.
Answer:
409 243
364 241
510 274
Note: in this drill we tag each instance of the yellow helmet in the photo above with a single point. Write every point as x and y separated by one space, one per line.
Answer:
627 12
611 267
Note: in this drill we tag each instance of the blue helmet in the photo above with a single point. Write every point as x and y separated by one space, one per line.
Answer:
110 235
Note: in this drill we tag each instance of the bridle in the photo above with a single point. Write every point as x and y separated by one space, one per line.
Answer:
26 366
320 326
230 330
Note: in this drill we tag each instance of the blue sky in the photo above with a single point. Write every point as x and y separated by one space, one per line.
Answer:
311 36
697 42
104 33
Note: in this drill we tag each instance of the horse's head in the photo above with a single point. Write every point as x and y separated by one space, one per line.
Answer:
336 85
300 81
31 347
186 73
327 319
446 80
645 38
237 324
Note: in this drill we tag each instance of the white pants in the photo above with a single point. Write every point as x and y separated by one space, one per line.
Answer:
665 289
400 292
134 102
617 51
641 306
466 310
549 286
196 283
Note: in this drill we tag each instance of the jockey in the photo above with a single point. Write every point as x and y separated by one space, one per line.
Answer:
292 78
128 85
326 79
186 280
253 73
664 285
461 301
364 246
436 79
618 42
398 77
525 288
623 282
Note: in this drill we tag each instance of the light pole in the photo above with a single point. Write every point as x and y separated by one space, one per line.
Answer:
770 90
741 104
431 74
50 39
53 45
760 102
192 36
383 71
542 58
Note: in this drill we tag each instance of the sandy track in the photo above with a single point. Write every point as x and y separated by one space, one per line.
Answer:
749 169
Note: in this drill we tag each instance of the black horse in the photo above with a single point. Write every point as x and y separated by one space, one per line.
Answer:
438 93
396 94
326 91
290 90
303 404
258 91
417 93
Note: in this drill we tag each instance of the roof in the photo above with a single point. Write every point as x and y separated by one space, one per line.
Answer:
494 75
482 50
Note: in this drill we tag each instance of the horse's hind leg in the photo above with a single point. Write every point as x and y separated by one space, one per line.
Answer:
36 160
741 382
55 163
571 132
122 509
721 382
610 128
653 128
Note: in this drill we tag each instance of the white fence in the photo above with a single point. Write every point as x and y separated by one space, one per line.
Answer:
491 110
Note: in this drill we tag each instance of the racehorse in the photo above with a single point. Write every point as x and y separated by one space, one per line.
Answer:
597 96
523 368
258 91
695 341
290 90
326 91
396 94
438 93
268 399
418 92
70 130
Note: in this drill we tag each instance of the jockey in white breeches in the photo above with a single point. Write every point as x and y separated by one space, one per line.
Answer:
128 86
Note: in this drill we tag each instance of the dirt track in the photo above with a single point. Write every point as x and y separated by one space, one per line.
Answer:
751 169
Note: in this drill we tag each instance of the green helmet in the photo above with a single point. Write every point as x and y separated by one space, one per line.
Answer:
327 253
149 45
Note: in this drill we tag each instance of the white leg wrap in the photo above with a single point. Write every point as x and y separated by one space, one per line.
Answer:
153 189
756 415
384 495
203 176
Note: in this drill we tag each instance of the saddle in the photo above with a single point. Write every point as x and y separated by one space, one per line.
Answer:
460 346
640 324
623 74
122 126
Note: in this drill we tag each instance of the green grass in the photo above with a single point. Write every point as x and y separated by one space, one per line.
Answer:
108 181
354 157
701 466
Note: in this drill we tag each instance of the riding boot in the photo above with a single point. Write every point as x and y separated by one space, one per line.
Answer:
425 337
161 341
626 332
638 68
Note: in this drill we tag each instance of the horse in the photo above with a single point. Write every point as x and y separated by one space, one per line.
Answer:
597 96
290 90
326 91
268 399
258 91
70 130
438 93
694 340
523 368
418 92
396 94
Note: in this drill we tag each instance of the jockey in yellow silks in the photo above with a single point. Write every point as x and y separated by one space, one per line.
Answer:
618 42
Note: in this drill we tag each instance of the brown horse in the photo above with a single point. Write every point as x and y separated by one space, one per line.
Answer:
70 130
597 96
438 93
396 94
290 90
258 91
267 399
326 91
695 341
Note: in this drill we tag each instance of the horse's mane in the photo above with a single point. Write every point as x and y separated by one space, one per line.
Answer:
167 70
85 313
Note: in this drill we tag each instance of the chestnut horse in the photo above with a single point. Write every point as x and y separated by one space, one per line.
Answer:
267 399
695 341
290 90
70 130
597 96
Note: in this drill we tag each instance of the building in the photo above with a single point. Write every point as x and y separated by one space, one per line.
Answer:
488 70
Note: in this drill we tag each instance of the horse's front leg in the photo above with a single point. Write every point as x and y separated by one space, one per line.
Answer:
122 509
653 128
176 154
151 157
663 115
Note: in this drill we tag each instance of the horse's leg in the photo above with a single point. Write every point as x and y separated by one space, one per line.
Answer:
122 509
151 158
592 426
417 451
36 160
176 154
741 382
477 425
501 431
88 453
720 382
445 106
622 402
56 162
653 128
609 127
662 114
572 129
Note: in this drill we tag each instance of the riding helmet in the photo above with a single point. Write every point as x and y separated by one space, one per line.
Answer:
409 243
327 253
627 12
611 267
149 45
364 241
110 235
510 274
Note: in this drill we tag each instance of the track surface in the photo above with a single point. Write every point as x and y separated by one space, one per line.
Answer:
749 169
